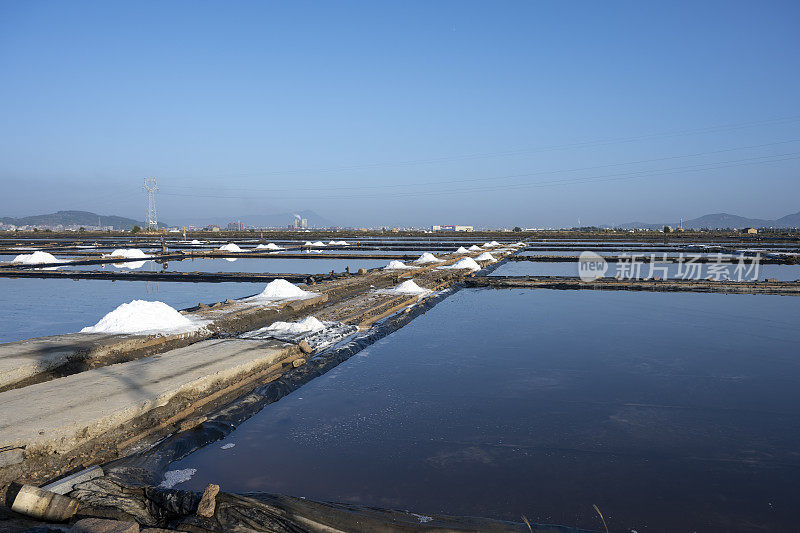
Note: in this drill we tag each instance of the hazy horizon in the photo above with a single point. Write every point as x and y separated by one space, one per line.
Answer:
399 114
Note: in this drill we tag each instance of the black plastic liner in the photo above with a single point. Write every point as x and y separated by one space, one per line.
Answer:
176 509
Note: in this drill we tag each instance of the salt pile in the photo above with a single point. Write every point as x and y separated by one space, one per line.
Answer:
466 262
37 258
427 258
406 288
270 246
307 325
315 243
140 316
491 244
230 248
195 241
128 253
461 250
475 248
339 243
485 256
280 289
398 265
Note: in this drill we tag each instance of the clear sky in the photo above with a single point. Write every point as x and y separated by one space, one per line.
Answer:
402 113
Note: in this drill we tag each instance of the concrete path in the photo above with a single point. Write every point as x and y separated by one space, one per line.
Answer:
58 415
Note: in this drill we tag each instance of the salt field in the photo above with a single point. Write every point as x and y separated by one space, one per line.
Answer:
554 402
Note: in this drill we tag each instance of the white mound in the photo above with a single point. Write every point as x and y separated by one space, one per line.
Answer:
339 243
398 265
491 244
461 250
230 248
307 325
194 241
128 253
427 258
140 316
315 243
270 246
475 248
280 289
407 288
466 262
37 258
485 256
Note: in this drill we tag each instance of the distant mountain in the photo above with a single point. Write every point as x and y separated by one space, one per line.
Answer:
278 220
722 221
74 218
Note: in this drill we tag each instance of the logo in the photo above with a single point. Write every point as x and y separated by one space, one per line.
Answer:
591 266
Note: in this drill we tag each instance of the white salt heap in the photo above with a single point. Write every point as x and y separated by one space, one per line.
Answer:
398 265
315 243
280 289
339 243
194 241
230 248
406 288
485 256
37 258
461 250
466 262
270 246
140 316
491 244
475 248
128 253
307 325
427 258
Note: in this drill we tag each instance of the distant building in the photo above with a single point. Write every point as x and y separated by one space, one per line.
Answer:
451 228
212 227
752 231
235 226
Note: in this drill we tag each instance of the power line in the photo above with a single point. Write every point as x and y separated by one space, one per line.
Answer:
519 151
608 177
445 181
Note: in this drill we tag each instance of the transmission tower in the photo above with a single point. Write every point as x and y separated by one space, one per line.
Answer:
151 219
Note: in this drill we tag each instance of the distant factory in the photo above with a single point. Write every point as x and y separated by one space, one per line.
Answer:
451 228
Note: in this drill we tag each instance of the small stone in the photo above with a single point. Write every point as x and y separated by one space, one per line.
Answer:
102 525
11 457
298 362
304 346
362 271
208 502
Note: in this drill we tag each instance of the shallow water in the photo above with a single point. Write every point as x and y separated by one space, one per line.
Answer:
671 412
532 268
249 265
39 307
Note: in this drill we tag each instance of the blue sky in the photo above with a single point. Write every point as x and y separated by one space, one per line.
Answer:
402 113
